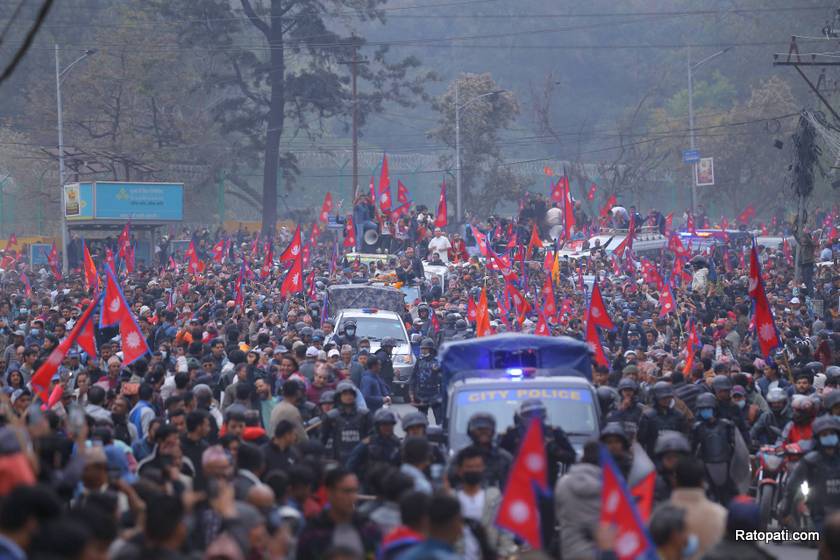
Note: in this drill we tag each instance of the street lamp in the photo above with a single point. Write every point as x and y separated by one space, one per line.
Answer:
59 75
459 210
691 68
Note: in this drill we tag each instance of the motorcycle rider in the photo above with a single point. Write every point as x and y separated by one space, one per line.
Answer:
799 428
345 425
348 336
726 409
769 427
821 470
628 411
662 416
670 448
424 385
381 447
481 428
714 443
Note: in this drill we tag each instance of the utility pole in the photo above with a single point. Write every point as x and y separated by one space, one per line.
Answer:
354 72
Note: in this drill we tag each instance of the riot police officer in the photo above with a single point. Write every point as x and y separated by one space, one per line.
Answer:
497 462
821 469
424 385
769 426
726 409
559 450
386 370
614 437
607 399
348 336
670 448
662 416
416 424
345 426
382 447
714 443
628 411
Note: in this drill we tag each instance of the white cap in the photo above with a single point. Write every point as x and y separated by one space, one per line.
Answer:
333 352
794 300
311 352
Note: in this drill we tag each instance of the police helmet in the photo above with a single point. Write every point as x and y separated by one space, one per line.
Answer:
815 367
804 408
721 383
825 423
832 374
461 325
671 442
481 420
306 331
384 416
777 395
606 397
532 407
351 324
831 400
706 400
345 387
628 383
317 334
388 341
615 429
662 390
427 343
327 397
413 419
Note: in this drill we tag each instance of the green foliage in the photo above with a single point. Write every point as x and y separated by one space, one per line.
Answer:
718 93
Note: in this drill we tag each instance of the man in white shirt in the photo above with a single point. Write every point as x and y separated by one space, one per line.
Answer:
440 244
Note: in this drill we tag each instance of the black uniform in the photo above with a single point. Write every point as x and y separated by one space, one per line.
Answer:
346 427
386 371
629 418
714 444
770 425
654 420
822 471
730 411
378 449
425 385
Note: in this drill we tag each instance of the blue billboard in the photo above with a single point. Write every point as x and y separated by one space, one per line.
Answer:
102 200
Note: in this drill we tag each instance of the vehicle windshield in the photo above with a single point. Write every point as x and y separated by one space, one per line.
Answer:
568 408
375 328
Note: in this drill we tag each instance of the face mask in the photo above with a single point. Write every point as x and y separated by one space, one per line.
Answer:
705 413
830 440
472 478
692 545
35 332
742 403
350 332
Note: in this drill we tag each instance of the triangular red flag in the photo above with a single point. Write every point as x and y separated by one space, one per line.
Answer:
52 260
482 316
294 248
326 207
518 512
133 343
219 251
590 196
349 233
441 217
598 311
265 269
89 267
472 311
549 302
666 301
384 187
123 241
765 326
605 209
618 510
747 215
534 242
293 282
403 195
642 492
481 241
542 326
113 303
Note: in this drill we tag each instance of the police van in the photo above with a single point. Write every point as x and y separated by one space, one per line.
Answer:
495 374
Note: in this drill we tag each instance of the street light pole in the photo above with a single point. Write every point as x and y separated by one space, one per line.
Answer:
58 75
459 214
691 68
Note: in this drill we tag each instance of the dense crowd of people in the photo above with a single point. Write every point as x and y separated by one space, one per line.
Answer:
256 429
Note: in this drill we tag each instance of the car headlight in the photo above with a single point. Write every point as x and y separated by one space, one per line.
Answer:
403 359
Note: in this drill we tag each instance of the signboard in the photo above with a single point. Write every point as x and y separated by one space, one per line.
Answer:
691 156
704 172
39 253
104 200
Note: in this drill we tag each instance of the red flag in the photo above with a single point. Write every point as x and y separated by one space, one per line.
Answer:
787 252
27 287
441 216
129 259
618 509
690 224
542 326
765 326
549 302
626 243
764 231
512 241
41 379
12 241
481 240
293 250
568 211
133 343
123 241
666 300
384 187
669 222
605 209
195 266
265 270
675 246
518 511
519 302
535 242
691 346
548 261
89 267
435 323
590 196
315 233
113 302
326 207
482 316
642 492
559 188
349 233
598 311
172 264
472 312
747 215
52 259
402 193
238 294
293 282
255 246
219 251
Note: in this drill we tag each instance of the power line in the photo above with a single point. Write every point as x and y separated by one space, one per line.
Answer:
30 36
12 19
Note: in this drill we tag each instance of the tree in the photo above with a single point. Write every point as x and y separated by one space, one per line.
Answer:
485 180
282 70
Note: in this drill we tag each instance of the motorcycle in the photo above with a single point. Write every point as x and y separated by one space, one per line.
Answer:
776 463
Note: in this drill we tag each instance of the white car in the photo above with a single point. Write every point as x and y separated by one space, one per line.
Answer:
376 324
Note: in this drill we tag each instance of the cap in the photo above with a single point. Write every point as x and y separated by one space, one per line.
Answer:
311 352
794 300
333 352
738 390
629 352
